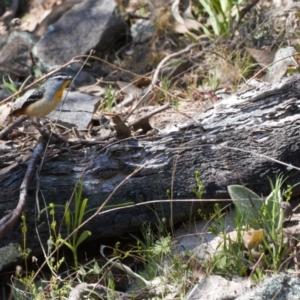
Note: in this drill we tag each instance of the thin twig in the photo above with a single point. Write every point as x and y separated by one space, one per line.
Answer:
256 264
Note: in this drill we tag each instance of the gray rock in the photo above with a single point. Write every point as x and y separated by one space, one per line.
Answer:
77 109
217 288
15 53
198 238
142 31
279 287
87 25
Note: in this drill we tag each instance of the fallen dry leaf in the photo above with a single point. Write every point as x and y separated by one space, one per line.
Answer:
263 57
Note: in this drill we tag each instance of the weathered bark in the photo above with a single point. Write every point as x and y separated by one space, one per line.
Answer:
264 121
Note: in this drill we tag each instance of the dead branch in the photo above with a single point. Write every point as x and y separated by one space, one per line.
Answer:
7 223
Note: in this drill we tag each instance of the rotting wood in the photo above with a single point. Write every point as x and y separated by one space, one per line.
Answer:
263 121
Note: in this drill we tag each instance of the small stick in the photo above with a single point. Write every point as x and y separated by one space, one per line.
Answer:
7 130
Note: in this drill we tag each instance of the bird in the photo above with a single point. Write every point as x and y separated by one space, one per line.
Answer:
44 99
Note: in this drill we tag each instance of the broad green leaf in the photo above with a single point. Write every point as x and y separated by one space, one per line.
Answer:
247 203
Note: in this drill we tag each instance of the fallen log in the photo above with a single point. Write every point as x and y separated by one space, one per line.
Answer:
238 140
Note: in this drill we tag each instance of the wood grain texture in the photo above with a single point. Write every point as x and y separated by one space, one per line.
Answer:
262 121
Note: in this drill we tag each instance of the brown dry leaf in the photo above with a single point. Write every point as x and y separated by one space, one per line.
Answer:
185 20
188 16
263 57
121 128
142 81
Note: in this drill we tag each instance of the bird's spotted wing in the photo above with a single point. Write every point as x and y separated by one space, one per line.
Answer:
21 105
35 96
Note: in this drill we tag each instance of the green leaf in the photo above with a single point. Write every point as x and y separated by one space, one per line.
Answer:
77 201
175 63
212 14
82 237
191 38
68 245
97 269
81 271
68 218
247 203
82 211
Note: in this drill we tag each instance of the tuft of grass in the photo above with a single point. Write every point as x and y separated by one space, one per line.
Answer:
227 67
11 87
24 287
220 16
73 219
109 98
161 264
258 243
